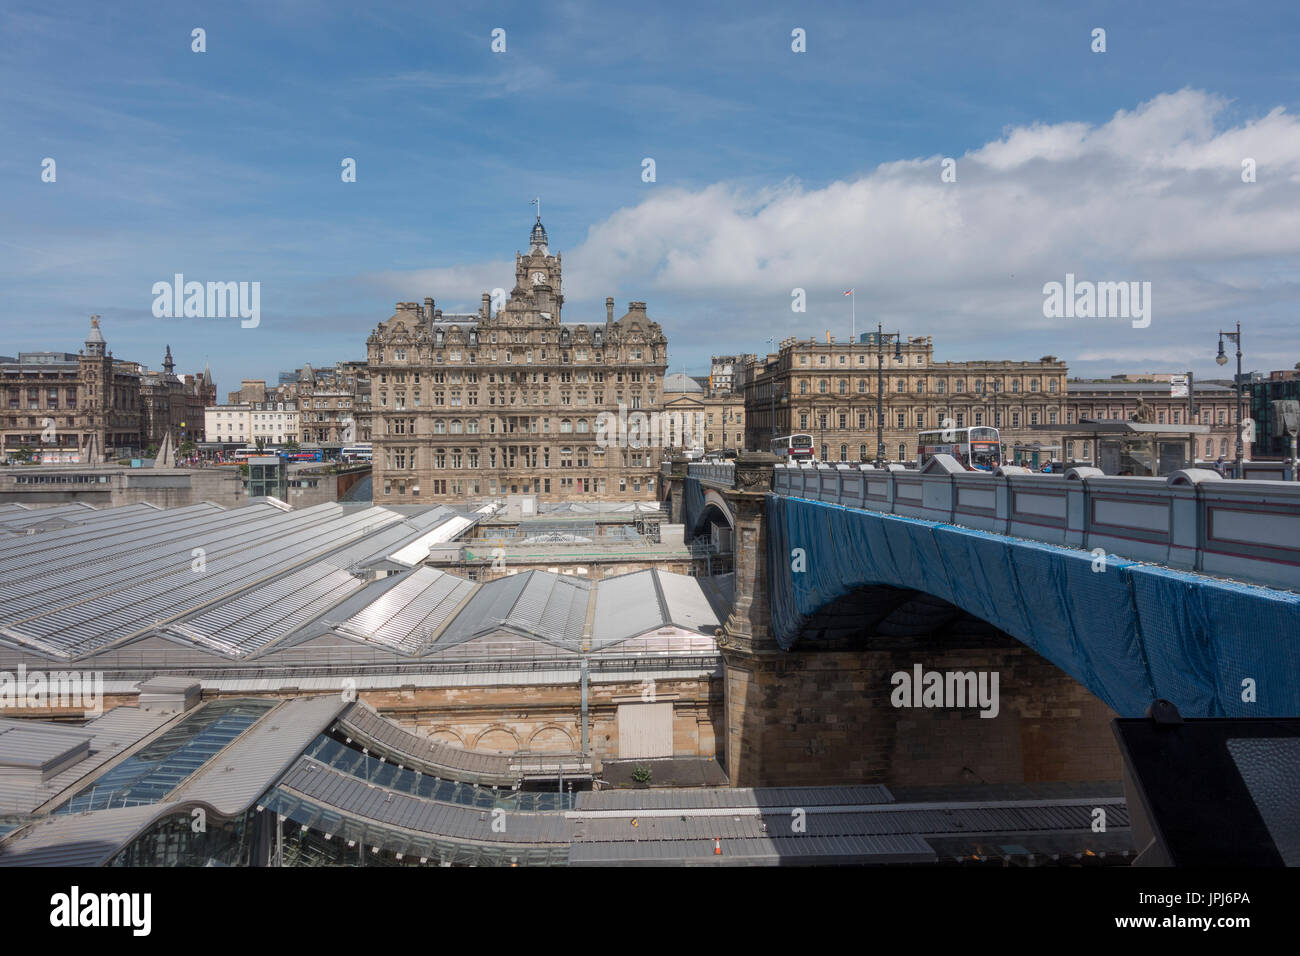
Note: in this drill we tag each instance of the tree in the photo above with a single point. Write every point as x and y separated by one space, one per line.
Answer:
187 448
260 443
24 453
151 451
291 445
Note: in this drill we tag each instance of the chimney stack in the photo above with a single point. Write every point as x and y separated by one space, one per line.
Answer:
487 305
609 309
428 307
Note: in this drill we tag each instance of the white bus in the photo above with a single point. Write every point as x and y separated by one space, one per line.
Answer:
362 451
794 447
979 448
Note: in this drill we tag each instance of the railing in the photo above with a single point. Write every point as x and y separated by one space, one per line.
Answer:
1249 530
723 473
655 652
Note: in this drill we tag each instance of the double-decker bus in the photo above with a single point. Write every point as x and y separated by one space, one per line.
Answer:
310 454
794 447
979 448
359 452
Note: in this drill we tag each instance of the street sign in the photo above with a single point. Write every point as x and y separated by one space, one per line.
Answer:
1178 386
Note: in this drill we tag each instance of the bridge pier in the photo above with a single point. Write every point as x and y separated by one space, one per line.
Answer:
825 716
671 488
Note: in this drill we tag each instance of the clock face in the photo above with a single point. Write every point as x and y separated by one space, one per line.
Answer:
539 278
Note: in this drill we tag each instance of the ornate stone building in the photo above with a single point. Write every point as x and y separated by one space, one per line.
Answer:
829 390
72 408
174 404
511 401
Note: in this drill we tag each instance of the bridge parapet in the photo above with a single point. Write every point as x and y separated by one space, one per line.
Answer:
1248 530
716 473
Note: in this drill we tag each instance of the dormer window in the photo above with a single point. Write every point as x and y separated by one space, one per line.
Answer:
439 337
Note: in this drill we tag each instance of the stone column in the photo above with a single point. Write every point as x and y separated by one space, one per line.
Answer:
746 642
675 489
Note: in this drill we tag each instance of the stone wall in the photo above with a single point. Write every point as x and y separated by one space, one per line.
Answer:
547 718
827 718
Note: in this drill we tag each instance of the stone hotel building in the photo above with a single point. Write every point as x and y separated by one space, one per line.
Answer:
508 402
830 389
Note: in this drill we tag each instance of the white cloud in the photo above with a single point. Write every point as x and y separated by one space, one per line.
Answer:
1154 194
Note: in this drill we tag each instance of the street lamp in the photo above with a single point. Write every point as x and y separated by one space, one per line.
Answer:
880 387
993 422
773 389
1222 359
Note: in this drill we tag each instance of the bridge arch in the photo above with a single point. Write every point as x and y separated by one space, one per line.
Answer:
704 506
1127 632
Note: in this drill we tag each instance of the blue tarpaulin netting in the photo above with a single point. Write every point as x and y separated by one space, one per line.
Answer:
1130 633
692 504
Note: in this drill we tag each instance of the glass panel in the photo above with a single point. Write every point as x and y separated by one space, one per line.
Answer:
147 776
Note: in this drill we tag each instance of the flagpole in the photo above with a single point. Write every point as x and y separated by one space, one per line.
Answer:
853 309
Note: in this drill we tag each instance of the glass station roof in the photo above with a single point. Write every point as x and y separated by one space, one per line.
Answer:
150 774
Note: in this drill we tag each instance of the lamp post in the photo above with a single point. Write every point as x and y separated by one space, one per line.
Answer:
880 388
1223 360
993 422
773 389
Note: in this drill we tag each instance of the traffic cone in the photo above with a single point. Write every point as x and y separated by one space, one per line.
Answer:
717 846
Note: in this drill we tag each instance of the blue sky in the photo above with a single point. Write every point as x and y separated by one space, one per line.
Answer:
774 171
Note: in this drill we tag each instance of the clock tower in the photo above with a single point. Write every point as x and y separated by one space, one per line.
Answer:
537 280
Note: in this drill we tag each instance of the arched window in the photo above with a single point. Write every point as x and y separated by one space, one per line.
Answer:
1223 447
566 426
862 453
844 453
901 386
439 426
456 426
844 386
902 451
821 386
582 426
942 386
862 385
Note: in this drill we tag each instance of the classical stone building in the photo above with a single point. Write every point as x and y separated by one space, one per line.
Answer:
713 416
511 401
228 424
1118 400
72 408
830 390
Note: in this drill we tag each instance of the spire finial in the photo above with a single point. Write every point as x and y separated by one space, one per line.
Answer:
538 203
